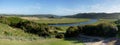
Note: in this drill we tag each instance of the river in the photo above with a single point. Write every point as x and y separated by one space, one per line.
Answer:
76 24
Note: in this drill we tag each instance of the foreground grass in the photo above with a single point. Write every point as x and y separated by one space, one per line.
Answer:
38 42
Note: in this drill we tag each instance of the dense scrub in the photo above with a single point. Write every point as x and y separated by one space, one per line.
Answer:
100 30
7 31
118 25
29 26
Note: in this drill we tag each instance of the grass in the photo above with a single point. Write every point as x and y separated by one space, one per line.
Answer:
55 20
38 42
6 30
7 34
63 28
105 21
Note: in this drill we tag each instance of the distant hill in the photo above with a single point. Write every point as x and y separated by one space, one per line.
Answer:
34 15
95 15
79 15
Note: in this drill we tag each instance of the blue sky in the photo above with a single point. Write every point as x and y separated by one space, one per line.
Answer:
58 7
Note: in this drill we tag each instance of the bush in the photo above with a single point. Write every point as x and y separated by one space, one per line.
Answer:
118 30
117 22
59 36
29 26
71 32
101 30
89 30
10 20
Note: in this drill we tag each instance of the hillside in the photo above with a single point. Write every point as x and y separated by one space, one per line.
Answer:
95 15
7 31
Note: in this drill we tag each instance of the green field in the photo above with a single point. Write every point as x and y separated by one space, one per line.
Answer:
55 20
105 21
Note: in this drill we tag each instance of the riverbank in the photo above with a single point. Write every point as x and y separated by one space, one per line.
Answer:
76 24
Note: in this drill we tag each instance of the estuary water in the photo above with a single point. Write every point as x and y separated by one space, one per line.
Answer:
76 24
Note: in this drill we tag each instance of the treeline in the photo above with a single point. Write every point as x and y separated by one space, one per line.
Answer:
95 15
30 27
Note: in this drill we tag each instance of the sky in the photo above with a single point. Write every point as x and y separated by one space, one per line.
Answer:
58 7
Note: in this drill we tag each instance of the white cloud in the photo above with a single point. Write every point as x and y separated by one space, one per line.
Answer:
86 9
37 9
68 11
105 8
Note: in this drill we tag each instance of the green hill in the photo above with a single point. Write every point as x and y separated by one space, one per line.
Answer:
95 15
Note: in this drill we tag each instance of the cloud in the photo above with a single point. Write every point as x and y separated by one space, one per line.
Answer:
111 8
108 6
68 11
105 8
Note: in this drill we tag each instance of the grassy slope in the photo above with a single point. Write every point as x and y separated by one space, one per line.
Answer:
6 30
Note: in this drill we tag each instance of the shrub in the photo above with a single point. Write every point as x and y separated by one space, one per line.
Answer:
71 32
117 22
101 30
89 30
59 36
118 30
29 26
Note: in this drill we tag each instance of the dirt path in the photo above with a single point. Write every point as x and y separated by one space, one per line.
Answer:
103 42
106 42
88 40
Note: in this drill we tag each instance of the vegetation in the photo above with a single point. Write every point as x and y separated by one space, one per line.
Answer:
118 25
79 15
38 42
59 36
34 31
96 15
6 30
29 26
56 20
99 30
105 21
24 32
